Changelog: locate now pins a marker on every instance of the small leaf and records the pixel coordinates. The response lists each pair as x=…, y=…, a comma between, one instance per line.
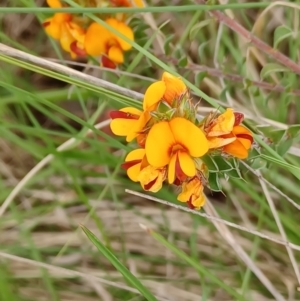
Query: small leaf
x=199, y=77
x=167, y=47
x=294, y=130
x=201, y=49
x=223, y=164
x=183, y=62
x=197, y=27
x=270, y=68
x=234, y=173
x=210, y=163
x=284, y=146
x=213, y=181
x=258, y=163
x=281, y=32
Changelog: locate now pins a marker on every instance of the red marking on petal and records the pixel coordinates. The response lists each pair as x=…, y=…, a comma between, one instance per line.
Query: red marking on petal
x=45, y=24
x=177, y=182
x=150, y=184
x=190, y=205
x=178, y=171
x=122, y=115
x=239, y=117
x=106, y=62
x=245, y=136
x=77, y=50
x=128, y=164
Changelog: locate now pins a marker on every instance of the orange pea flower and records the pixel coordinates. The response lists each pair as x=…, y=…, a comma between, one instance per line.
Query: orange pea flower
x=168, y=89
x=139, y=170
x=175, y=143
x=152, y=178
x=240, y=146
x=101, y=41
x=129, y=122
x=60, y=27
x=192, y=193
x=226, y=133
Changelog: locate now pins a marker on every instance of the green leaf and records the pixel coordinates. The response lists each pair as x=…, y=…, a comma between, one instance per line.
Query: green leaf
x=118, y=265
x=199, y=77
x=284, y=146
x=270, y=68
x=210, y=163
x=286, y=165
x=167, y=46
x=197, y=27
x=183, y=62
x=281, y=32
x=258, y=163
x=214, y=183
x=234, y=173
x=223, y=164
x=294, y=130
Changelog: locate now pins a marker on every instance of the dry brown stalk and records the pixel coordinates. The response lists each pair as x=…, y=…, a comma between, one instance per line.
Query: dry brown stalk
x=261, y=45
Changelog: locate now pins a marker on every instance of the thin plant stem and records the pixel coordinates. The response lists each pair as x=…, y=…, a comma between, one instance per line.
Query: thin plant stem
x=261, y=45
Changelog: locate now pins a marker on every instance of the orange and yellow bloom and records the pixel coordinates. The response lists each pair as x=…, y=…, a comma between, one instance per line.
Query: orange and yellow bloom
x=174, y=142
x=168, y=144
x=101, y=41
x=192, y=193
x=225, y=133
x=169, y=89
x=80, y=36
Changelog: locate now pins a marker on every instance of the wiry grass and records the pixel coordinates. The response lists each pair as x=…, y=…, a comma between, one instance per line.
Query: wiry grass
x=54, y=136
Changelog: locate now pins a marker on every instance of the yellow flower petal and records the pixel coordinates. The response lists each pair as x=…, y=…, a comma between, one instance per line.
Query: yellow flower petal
x=96, y=39
x=223, y=124
x=133, y=172
x=131, y=110
x=174, y=87
x=121, y=127
x=236, y=149
x=116, y=54
x=77, y=32
x=139, y=126
x=158, y=144
x=151, y=178
x=53, y=29
x=135, y=155
x=62, y=17
x=153, y=95
x=123, y=29
x=217, y=142
x=189, y=136
x=192, y=191
x=138, y=3
x=199, y=201
x=187, y=164
x=54, y=3
x=172, y=169
x=66, y=38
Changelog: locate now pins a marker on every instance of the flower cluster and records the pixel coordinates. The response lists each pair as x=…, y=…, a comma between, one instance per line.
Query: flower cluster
x=173, y=142
x=81, y=36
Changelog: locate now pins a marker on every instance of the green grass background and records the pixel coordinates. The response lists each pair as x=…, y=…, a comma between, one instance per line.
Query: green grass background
x=139, y=249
